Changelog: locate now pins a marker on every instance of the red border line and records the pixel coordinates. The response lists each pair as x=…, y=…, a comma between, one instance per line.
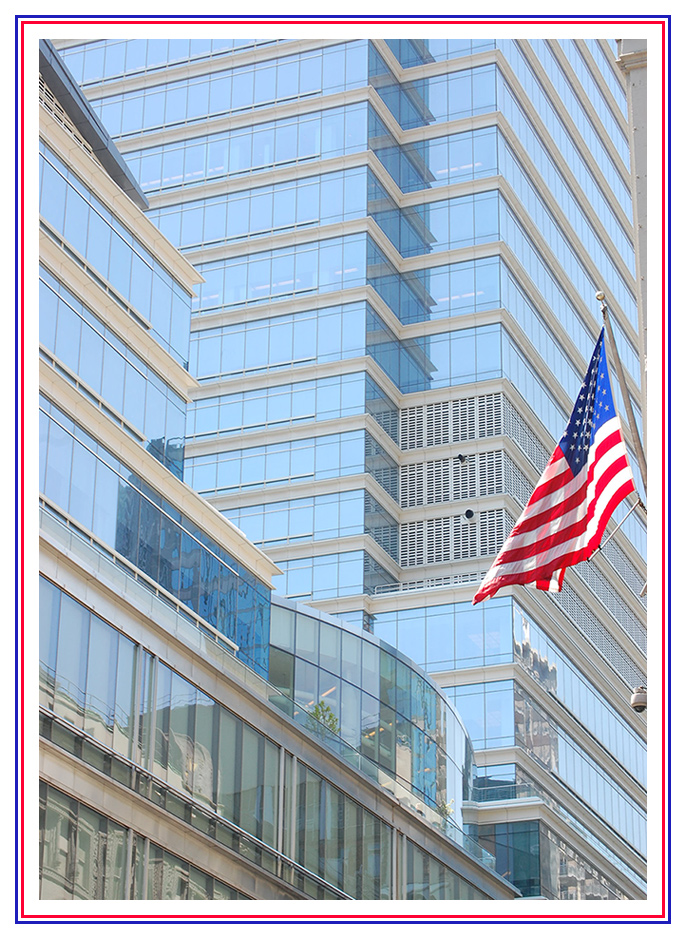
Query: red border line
x=343, y=22
x=21, y=468
x=664, y=471
x=26, y=917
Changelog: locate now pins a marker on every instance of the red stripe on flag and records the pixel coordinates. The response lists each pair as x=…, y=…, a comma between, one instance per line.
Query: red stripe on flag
x=564, y=520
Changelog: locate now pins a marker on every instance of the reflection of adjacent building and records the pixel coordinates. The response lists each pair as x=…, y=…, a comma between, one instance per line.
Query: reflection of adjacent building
x=170, y=767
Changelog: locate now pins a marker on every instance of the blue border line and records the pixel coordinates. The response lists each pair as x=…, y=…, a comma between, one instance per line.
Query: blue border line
x=16, y=473
x=668, y=657
x=545, y=17
x=335, y=920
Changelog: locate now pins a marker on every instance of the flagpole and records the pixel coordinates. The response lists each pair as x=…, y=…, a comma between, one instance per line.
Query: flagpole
x=617, y=527
x=638, y=447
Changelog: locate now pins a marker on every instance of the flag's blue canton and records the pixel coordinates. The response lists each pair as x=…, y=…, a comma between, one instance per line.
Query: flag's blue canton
x=593, y=407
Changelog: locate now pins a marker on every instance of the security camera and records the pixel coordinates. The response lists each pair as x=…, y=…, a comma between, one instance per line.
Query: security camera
x=639, y=699
x=469, y=513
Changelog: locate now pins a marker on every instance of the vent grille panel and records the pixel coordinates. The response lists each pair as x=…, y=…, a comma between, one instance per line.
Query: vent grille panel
x=453, y=538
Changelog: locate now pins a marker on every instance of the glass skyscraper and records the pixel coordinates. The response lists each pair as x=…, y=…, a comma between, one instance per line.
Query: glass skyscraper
x=200, y=739
x=400, y=243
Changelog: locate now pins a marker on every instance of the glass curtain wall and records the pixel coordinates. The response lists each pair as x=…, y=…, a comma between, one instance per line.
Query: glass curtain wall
x=86, y=856
x=94, y=678
x=81, y=477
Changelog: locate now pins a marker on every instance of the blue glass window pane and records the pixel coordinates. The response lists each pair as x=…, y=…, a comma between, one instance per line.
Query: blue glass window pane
x=356, y=64
x=483, y=90
x=333, y=69
x=58, y=468
x=76, y=221
x=141, y=285
x=68, y=336
x=333, y=135
x=309, y=138
x=488, y=352
x=105, y=504
x=284, y=207
x=220, y=95
x=113, y=378
x=265, y=84
x=192, y=226
x=82, y=490
x=53, y=196
x=306, y=269
x=43, y=431
x=351, y=704
x=194, y=164
x=47, y=305
x=100, y=681
x=305, y=340
x=263, y=147
x=132, y=115
x=469, y=640
x=198, y=100
x=214, y=222
x=237, y=218
x=70, y=669
x=469, y=703
x=170, y=173
x=330, y=263
x=93, y=62
x=303, y=459
x=440, y=636
x=256, y=344
x=241, y=89
x=99, y=235
x=310, y=74
x=90, y=368
x=499, y=631
x=487, y=284
x=500, y=714
x=282, y=280
x=120, y=265
x=241, y=153
x=438, y=99
x=110, y=113
x=412, y=635
x=153, y=108
x=308, y=203
x=287, y=79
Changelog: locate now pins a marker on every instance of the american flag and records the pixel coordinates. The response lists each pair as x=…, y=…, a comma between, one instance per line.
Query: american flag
x=586, y=478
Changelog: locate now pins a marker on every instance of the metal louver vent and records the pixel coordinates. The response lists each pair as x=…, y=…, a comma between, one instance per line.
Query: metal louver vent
x=464, y=419
x=412, y=544
x=412, y=428
x=491, y=415
x=452, y=479
x=438, y=422
x=453, y=538
x=438, y=488
x=412, y=485
x=430, y=425
x=572, y=604
x=490, y=472
x=614, y=603
x=518, y=430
